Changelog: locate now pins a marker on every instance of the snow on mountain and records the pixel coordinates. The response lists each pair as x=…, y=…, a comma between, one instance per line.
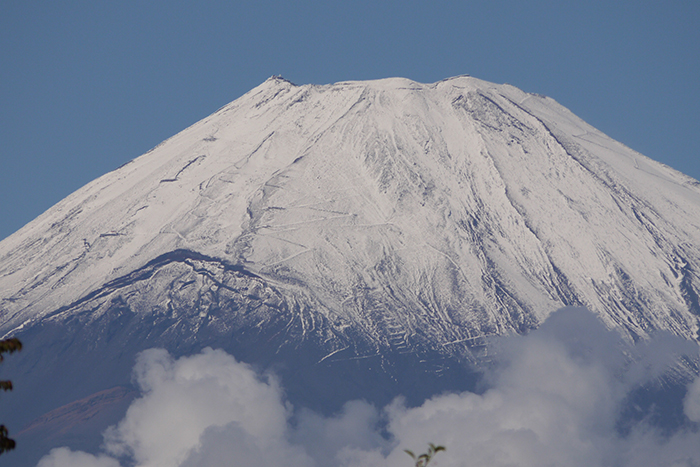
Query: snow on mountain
x=478, y=207
x=361, y=238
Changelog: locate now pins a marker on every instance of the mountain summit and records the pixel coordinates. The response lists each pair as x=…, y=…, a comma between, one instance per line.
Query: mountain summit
x=330, y=232
x=462, y=208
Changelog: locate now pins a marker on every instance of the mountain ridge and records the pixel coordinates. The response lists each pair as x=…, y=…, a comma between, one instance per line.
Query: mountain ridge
x=387, y=169
x=366, y=237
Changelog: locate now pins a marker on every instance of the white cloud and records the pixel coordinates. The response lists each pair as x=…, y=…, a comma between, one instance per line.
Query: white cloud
x=62, y=457
x=190, y=401
x=691, y=404
x=356, y=427
x=554, y=399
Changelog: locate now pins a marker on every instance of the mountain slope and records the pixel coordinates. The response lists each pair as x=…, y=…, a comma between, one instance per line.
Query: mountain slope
x=362, y=238
x=465, y=197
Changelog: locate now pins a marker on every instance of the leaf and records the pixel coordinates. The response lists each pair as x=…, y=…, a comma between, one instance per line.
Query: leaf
x=424, y=459
x=9, y=346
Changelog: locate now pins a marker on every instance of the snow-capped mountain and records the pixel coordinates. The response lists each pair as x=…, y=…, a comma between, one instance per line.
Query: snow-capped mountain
x=331, y=232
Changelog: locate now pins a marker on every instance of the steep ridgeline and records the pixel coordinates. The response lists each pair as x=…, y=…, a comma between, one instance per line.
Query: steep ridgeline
x=330, y=231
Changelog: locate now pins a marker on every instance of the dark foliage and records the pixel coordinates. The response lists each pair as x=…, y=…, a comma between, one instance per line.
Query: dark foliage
x=424, y=459
x=7, y=346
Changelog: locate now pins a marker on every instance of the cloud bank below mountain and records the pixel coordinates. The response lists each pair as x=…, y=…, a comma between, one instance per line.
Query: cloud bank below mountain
x=554, y=397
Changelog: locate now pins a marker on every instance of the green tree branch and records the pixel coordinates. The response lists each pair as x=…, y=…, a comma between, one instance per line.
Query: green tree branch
x=424, y=459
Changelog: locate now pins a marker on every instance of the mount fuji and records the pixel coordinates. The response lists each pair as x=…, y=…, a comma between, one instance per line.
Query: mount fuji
x=359, y=239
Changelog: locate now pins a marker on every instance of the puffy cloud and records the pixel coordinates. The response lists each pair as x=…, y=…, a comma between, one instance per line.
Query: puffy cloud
x=356, y=427
x=199, y=410
x=61, y=457
x=691, y=404
x=184, y=398
x=554, y=398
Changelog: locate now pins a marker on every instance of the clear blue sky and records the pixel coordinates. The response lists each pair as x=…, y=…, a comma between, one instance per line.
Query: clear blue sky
x=88, y=85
